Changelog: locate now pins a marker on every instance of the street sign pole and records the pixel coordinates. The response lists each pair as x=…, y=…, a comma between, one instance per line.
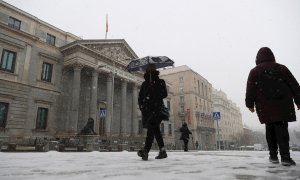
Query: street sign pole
x=218, y=140
x=217, y=117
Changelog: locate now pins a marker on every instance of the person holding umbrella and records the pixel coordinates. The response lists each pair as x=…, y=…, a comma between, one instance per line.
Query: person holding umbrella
x=185, y=135
x=150, y=100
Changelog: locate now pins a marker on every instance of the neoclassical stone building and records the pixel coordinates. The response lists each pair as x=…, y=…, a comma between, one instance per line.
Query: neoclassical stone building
x=95, y=83
x=52, y=81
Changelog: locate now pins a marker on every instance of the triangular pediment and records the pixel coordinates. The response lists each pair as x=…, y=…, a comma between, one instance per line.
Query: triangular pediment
x=94, y=53
x=116, y=52
x=114, y=49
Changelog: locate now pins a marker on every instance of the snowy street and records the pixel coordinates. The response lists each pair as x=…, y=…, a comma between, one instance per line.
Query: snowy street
x=127, y=165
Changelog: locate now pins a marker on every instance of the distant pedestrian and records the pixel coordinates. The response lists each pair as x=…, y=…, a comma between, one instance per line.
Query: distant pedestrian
x=197, y=145
x=272, y=91
x=185, y=135
x=151, y=95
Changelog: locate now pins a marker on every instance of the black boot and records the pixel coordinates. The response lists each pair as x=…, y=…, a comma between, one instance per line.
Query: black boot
x=274, y=160
x=186, y=149
x=288, y=162
x=143, y=153
x=162, y=154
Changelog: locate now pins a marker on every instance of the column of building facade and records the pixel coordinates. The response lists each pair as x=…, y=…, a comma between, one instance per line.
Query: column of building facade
x=109, y=91
x=135, y=123
x=94, y=97
x=123, y=107
x=75, y=98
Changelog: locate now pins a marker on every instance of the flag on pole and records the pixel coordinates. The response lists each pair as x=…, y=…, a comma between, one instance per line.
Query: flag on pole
x=106, y=22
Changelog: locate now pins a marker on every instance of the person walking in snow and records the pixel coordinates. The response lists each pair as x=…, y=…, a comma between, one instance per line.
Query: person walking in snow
x=150, y=99
x=185, y=135
x=271, y=91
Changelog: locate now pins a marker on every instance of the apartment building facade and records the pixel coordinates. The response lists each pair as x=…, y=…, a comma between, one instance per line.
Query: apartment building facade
x=192, y=103
x=230, y=123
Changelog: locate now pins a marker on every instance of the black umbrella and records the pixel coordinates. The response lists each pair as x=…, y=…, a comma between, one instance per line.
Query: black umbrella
x=140, y=64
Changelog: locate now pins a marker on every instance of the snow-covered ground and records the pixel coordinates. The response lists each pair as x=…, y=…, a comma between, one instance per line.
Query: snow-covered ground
x=128, y=166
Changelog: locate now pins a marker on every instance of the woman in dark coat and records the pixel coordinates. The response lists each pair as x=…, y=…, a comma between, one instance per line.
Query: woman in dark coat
x=274, y=110
x=151, y=95
x=185, y=135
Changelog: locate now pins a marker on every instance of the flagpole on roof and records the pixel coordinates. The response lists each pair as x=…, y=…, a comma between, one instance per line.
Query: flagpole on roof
x=106, y=31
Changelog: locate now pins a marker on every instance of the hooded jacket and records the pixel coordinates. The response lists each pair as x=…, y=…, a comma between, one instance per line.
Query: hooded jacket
x=276, y=109
x=151, y=95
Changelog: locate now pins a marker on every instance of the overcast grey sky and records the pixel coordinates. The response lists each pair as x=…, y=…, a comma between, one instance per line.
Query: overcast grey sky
x=218, y=39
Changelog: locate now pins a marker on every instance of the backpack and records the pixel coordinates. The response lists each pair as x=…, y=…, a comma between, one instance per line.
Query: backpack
x=272, y=84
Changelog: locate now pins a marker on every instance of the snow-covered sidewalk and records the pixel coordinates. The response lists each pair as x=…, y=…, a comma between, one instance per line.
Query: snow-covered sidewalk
x=127, y=165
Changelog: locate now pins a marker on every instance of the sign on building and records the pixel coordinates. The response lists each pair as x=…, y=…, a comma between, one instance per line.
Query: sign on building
x=216, y=115
x=102, y=112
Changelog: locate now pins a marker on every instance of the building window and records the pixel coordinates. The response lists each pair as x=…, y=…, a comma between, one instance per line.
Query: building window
x=51, y=39
x=47, y=72
x=181, y=79
x=198, y=87
x=168, y=105
x=8, y=61
x=41, y=120
x=170, y=129
x=202, y=89
x=181, y=90
x=162, y=128
x=14, y=23
x=3, y=114
x=181, y=108
x=181, y=99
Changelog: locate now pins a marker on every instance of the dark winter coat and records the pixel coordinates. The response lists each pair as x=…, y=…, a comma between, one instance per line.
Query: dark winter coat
x=274, y=110
x=151, y=95
x=185, y=133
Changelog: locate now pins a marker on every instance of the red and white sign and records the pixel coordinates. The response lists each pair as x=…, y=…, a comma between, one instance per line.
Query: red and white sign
x=188, y=116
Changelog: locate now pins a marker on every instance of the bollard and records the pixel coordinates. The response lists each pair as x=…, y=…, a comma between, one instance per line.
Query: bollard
x=12, y=147
x=90, y=147
x=80, y=148
x=120, y=147
x=61, y=147
x=39, y=147
x=109, y=148
x=53, y=145
x=131, y=148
